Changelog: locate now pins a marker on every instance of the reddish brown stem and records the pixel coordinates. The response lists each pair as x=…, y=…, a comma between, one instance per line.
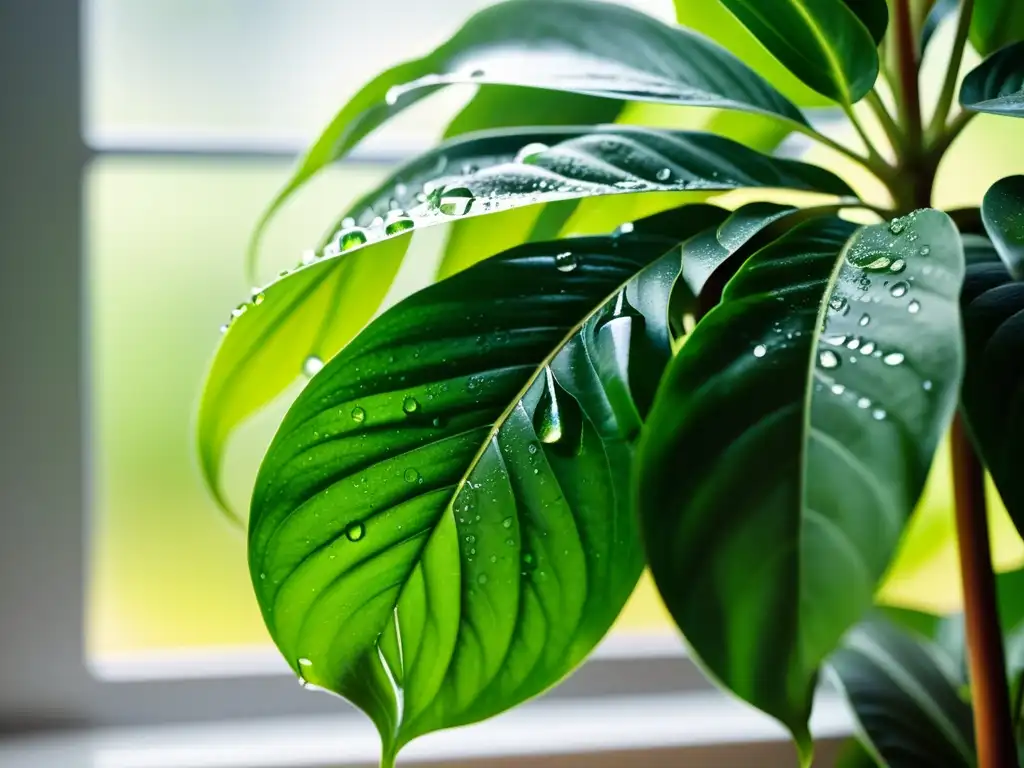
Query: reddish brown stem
x=910, y=97
x=993, y=728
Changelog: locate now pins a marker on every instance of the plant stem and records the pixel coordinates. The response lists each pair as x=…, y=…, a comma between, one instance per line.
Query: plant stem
x=892, y=130
x=993, y=726
x=909, y=97
x=938, y=122
x=876, y=165
x=873, y=154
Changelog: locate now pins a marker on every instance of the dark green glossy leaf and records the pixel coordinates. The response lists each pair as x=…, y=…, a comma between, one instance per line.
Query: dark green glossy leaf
x=997, y=84
x=442, y=527
x=1002, y=212
x=476, y=175
x=996, y=23
x=579, y=46
x=992, y=304
x=907, y=707
x=788, y=444
x=822, y=42
x=873, y=14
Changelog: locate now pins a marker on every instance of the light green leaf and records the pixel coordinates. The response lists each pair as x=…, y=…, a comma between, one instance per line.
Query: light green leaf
x=907, y=707
x=822, y=42
x=1002, y=212
x=789, y=442
x=992, y=304
x=580, y=46
x=996, y=23
x=442, y=527
x=997, y=84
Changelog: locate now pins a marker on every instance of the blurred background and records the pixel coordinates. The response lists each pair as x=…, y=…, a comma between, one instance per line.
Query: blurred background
x=141, y=139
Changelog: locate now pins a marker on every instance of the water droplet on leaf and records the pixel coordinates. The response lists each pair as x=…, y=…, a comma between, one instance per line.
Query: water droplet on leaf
x=900, y=289
x=312, y=366
x=566, y=261
x=354, y=531
x=410, y=405
x=528, y=153
x=828, y=359
x=760, y=350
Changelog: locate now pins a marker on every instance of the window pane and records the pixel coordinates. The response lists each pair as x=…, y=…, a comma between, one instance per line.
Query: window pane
x=256, y=73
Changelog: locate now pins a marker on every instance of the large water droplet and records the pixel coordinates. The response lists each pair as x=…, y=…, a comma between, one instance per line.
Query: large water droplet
x=455, y=201
x=760, y=350
x=864, y=319
x=410, y=405
x=529, y=153
x=899, y=289
x=258, y=297
x=355, y=531
x=914, y=307
x=863, y=403
x=411, y=475
x=507, y=522
x=566, y=261
x=397, y=221
x=664, y=174
x=867, y=348
x=351, y=238
x=828, y=359
x=312, y=366
x=358, y=414
x=878, y=414
x=871, y=261
x=898, y=266
x=836, y=341
x=894, y=358
x=896, y=226
x=839, y=304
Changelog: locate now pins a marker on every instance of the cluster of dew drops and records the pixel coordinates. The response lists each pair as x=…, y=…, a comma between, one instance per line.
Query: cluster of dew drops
x=830, y=357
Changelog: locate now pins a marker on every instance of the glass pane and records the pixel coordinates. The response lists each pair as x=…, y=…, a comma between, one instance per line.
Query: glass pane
x=165, y=237
x=259, y=74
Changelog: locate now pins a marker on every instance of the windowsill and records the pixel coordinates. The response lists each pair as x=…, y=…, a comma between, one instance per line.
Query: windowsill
x=543, y=733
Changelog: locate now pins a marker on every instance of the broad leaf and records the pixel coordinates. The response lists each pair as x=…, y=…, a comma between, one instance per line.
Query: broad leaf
x=788, y=444
x=442, y=527
x=579, y=46
x=907, y=707
x=317, y=309
x=1003, y=214
x=822, y=42
x=993, y=389
x=996, y=23
x=997, y=84
x=873, y=14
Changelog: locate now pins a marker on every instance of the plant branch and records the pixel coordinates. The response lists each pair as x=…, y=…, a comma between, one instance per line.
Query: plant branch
x=873, y=153
x=941, y=142
x=909, y=97
x=891, y=128
x=938, y=122
x=993, y=725
x=875, y=164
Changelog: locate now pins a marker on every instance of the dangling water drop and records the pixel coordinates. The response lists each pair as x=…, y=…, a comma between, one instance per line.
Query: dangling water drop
x=258, y=297
x=312, y=366
x=566, y=261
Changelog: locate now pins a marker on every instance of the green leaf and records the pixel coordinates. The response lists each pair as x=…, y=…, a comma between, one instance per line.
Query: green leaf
x=906, y=706
x=789, y=442
x=1002, y=212
x=467, y=177
x=873, y=14
x=442, y=527
x=997, y=84
x=996, y=23
x=822, y=42
x=299, y=322
x=992, y=304
x=580, y=46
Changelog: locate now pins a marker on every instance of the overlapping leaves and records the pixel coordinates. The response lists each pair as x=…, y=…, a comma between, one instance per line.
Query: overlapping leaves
x=997, y=84
x=313, y=312
x=788, y=444
x=442, y=527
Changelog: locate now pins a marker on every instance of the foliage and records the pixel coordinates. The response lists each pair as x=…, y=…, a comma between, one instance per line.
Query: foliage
x=462, y=497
